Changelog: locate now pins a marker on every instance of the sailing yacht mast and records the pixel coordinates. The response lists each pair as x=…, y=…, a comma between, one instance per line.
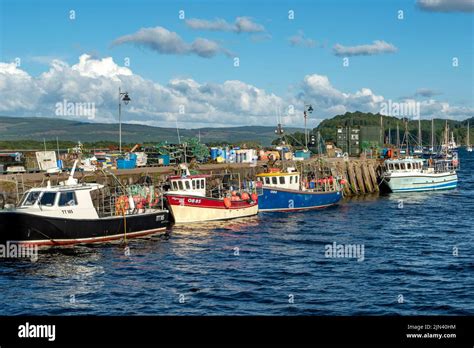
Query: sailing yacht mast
x=406, y=137
x=432, y=135
x=468, y=142
x=468, y=145
x=419, y=133
x=398, y=136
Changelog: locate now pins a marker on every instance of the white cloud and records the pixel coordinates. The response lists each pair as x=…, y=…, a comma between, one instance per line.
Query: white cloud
x=240, y=25
x=328, y=101
x=230, y=103
x=164, y=41
x=446, y=5
x=301, y=40
x=377, y=47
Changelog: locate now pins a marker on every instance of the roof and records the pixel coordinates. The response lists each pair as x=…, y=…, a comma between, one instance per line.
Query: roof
x=277, y=174
x=179, y=177
x=405, y=160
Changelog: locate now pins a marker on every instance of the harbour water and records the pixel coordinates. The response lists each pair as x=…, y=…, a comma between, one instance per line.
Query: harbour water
x=418, y=259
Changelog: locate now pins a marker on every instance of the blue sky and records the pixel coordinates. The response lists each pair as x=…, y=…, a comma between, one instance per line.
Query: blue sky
x=425, y=43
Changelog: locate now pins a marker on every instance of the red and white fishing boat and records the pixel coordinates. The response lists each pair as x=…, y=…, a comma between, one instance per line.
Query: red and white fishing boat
x=191, y=201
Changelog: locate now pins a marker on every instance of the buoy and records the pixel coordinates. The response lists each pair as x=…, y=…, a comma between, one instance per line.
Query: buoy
x=121, y=205
x=245, y=196
x=234, y=193
x=254, y=197
x=343, y=182
x=227, y=202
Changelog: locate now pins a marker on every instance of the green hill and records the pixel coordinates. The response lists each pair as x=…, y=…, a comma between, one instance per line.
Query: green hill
x=34, y=129
x=328, y=127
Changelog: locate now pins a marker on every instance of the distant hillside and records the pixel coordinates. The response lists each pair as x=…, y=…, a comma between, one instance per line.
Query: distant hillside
x=328, y=127
x=37, y=129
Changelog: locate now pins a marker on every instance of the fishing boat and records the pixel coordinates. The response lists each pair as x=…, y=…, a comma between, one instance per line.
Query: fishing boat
x=468, y=143
x=73, y=213
x=290, y=191
x=413, y=174
x=191, y=199
x=409, y=174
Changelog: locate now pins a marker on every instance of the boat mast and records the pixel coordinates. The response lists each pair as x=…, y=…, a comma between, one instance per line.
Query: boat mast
x=468, y=142
x=432, y=134
x=446, y=137
x=398, y=136
x=406, y=137
x=381, y=131
x=419, y=133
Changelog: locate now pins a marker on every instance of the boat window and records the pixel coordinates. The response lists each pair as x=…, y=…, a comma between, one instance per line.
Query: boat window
x=203, y=183
x=274, y=180
x=48, y=198
x=180, y=185
x=267, y=181
x=296, y=179
x=188, y=186
x=291, y=179
x=282, y=180
x=175, y=185
x=67, y=199
x=194, y=184
x=31, y=198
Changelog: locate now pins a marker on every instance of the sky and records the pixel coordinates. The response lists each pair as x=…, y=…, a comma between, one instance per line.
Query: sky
x=232, y=63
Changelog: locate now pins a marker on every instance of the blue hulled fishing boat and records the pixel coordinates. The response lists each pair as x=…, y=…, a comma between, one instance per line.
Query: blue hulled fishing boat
x=290, y=191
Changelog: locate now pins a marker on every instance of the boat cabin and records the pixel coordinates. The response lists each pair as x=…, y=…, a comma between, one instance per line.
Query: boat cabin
x=404, y=165
x=189, y=185
x=73, y=202
x=287, y=180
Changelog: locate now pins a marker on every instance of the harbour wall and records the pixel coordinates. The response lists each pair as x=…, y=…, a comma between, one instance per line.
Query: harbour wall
x=361, y=175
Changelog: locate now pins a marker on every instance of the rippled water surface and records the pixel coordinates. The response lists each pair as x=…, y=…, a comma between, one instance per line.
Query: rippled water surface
x=260, y=265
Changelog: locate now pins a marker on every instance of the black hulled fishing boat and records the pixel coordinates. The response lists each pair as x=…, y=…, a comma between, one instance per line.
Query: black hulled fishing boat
x=73, y=213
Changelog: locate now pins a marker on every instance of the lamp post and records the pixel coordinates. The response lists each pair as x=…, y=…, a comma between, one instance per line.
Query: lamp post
x=308, y=108
x=123, y=96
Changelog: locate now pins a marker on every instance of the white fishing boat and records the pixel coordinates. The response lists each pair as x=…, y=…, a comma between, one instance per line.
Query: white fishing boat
x=410, y=174
x=413, y=174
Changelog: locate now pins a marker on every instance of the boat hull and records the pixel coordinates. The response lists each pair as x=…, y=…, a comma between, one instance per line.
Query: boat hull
x=277, y=199
x=33, y=229
x=421, y=182
x=187, y=208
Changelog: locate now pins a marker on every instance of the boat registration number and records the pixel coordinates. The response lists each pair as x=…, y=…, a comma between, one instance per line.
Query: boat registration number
x=194, y=200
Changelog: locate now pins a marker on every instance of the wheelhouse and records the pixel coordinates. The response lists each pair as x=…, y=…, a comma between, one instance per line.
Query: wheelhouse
x=190, y=185
x=406, y=165
x=280, y=180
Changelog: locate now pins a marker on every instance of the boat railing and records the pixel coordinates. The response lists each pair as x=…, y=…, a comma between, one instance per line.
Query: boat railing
x=115, y=201
x=328, y=184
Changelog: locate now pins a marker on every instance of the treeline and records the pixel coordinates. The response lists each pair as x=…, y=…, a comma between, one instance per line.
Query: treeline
x=328, y=127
